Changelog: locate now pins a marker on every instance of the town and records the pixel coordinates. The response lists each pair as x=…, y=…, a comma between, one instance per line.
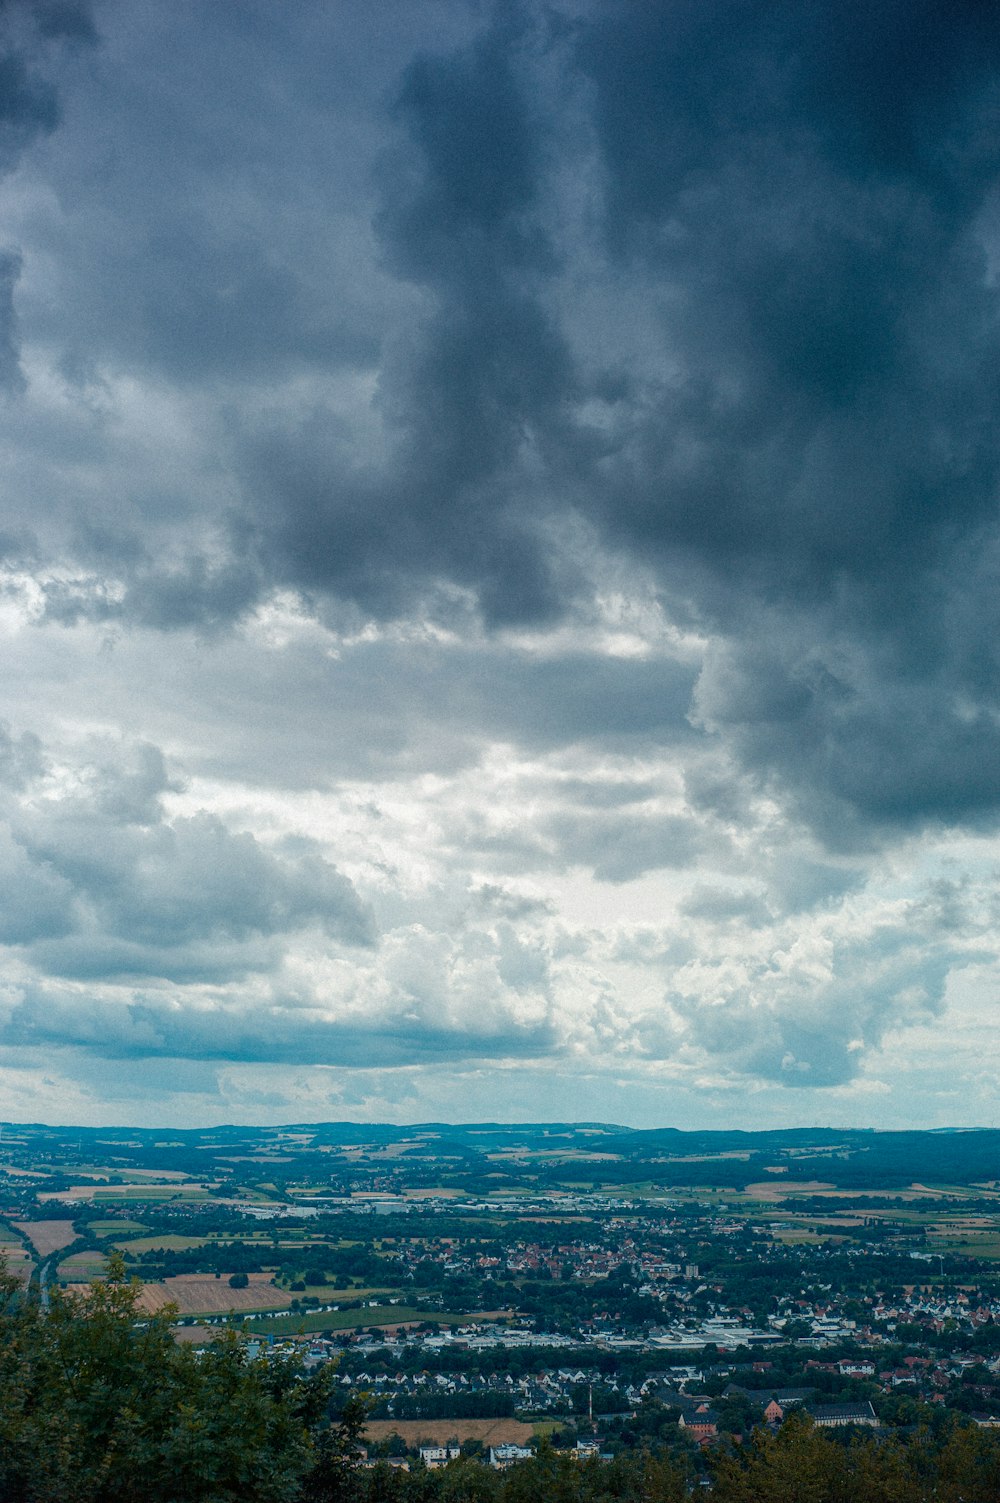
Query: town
x=482, y=1291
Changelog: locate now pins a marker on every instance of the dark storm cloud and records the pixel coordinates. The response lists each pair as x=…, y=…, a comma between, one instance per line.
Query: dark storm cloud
x=706, y=286
x=805, y=187
x=804, y=440
x=11, y=378
x=28, y=103
x=858, y=743
x=29, y=108
x=473, y=394
x=803, y=192
x=206, y=196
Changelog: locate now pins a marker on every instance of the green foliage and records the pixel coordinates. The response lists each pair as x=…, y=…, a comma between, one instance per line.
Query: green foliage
x=801, y=1464
x=98, y=1406
x=484, y=1404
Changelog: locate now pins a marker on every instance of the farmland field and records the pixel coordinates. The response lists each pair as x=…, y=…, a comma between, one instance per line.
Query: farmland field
x=329, y=1295
x=492, y=1432
x=966, y=1241
x=47, y=1236
x=151, y=1192
x=778, y=1190
x=793, y=1236
x=166, y=1242
x=83, y=1267
x=380, y=1317
x=202, y=1294
x=110, y=1172
x=180, y=1241
x=12, y=1249
x=126, y=1192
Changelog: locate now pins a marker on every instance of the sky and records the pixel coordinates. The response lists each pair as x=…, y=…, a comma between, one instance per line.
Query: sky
x=499, y=562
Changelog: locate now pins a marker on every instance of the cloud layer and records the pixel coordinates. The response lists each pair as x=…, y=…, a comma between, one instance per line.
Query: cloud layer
x=499, y=552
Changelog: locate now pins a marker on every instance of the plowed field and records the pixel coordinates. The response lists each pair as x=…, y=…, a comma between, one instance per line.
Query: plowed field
x=47, y=1236
x=202, y=1294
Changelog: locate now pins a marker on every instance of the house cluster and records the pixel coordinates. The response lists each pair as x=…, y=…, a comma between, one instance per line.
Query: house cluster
x=880, y=1316
x=499, y=1457
x=702, y=1422
x=547, y=1391
x=648, y=1253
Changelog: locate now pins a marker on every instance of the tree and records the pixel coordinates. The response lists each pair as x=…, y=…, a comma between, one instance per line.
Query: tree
x=333, y=1476
x=99, y=1404
x=969, y=1468
x=798, y=1465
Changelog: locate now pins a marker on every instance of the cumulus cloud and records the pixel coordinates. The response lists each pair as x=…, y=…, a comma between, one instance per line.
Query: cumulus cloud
x=101, y=881
x=805, y=1014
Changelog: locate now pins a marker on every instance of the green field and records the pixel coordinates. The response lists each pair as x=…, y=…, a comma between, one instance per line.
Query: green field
x=179, y=1241
x=966, y=1244
x=167, y=1242
x=82, y=1267
x=119, y=1227
x=797, y=1237
x=152, y=1192
x=327, y=1293
x=347, y=1320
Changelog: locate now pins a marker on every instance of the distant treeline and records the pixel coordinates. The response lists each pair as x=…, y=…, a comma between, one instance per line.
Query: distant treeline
x=459, y=1156
x=318, y=1263
x=432, y=1406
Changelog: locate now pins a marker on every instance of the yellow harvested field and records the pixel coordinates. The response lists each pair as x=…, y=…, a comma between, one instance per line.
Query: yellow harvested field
x=193, y=1335
x=492, y=1432
x=790, y=1190
x=787, y=1189
x=47, y=1236
x=203, y=1294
